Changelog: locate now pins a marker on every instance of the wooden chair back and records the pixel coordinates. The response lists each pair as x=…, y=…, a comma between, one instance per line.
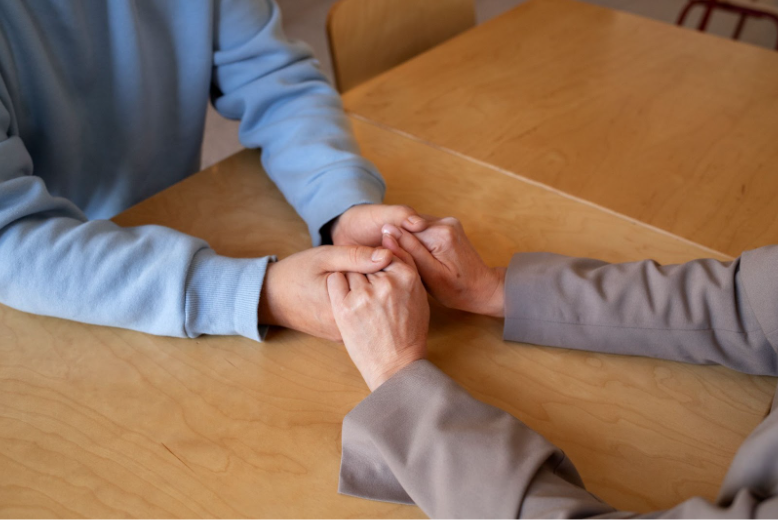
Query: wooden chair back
x=368, y=37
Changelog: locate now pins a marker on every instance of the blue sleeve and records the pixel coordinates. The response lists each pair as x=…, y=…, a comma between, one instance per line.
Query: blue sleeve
x=288, y=109
x=53, y=261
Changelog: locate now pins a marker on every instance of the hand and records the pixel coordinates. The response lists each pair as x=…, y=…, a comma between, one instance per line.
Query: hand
x=361, y=224
x=450, y=267
x=383, y=317
x=294, y=294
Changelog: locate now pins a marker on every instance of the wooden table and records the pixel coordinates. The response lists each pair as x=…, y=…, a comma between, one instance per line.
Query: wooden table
x=103, y=422
x=670, y=126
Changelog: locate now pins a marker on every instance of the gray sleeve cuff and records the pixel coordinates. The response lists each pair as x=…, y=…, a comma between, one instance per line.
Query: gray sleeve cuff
x=760, y=280
x=364, y=471
x=222, y=295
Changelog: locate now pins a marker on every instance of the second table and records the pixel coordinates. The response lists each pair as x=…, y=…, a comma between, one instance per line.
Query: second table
x=671, y=127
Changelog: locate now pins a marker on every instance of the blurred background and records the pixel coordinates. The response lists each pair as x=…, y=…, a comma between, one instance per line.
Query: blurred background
x=305, y=20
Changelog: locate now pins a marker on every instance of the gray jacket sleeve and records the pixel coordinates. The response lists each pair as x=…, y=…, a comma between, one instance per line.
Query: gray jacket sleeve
x=420, y=438
x=702, y=312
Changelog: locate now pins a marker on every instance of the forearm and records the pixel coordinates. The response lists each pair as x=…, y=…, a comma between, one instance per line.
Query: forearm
x=288, y=109
x=149, y=279
x=704, y=311
x=420, y=438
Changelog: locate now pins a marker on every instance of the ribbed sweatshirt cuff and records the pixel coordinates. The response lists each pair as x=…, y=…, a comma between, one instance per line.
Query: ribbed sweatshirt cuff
x=222, y=295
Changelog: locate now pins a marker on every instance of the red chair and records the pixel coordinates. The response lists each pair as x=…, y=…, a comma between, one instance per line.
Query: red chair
x=745, y=8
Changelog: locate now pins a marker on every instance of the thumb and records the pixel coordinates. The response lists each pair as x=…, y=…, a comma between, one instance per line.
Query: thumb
x=337, y=287
x=425, y=262
x=415, y=223
x=358, y=259
x=391, y=244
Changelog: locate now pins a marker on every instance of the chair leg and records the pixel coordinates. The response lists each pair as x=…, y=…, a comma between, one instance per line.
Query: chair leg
x=775, y=19
x=706, y=17
x=686, y=9
x=739, y=28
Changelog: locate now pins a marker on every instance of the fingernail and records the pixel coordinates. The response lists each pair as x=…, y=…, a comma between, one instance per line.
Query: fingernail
x=380, y=255
x=413, y=219
x=390, y=229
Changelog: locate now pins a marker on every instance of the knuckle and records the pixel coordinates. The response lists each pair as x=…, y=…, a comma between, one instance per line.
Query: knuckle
x=359, y=300
x=405, y=271
x=357, y=254
x=436, y=232
x=406, y=274
x=322, y=251
x=323, y=255
x=385, y=290
x=347, y=309
x=404, y=209
x=447, y=233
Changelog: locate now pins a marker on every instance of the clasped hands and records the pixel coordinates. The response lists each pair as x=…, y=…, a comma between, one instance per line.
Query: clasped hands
x=369, y=288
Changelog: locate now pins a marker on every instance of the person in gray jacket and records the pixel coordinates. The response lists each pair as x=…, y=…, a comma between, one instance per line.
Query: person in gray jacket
x=420, y=438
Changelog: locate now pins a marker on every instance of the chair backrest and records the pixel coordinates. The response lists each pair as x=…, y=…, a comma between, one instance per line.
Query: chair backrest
x=367, y=37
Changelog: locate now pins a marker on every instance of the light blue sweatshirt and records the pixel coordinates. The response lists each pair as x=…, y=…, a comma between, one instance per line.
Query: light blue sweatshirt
x=102, y=104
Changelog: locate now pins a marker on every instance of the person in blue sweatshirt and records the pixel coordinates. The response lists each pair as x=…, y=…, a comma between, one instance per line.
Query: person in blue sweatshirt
x=102, y=104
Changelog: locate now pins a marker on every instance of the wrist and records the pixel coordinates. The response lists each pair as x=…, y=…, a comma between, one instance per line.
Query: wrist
x=336, y=230
x=327, y=231
x=267, y=314
x=385, y=372
x=493, y=302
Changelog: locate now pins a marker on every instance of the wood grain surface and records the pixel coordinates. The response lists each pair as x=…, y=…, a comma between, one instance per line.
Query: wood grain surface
x=102, y=422
x=667, y=125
